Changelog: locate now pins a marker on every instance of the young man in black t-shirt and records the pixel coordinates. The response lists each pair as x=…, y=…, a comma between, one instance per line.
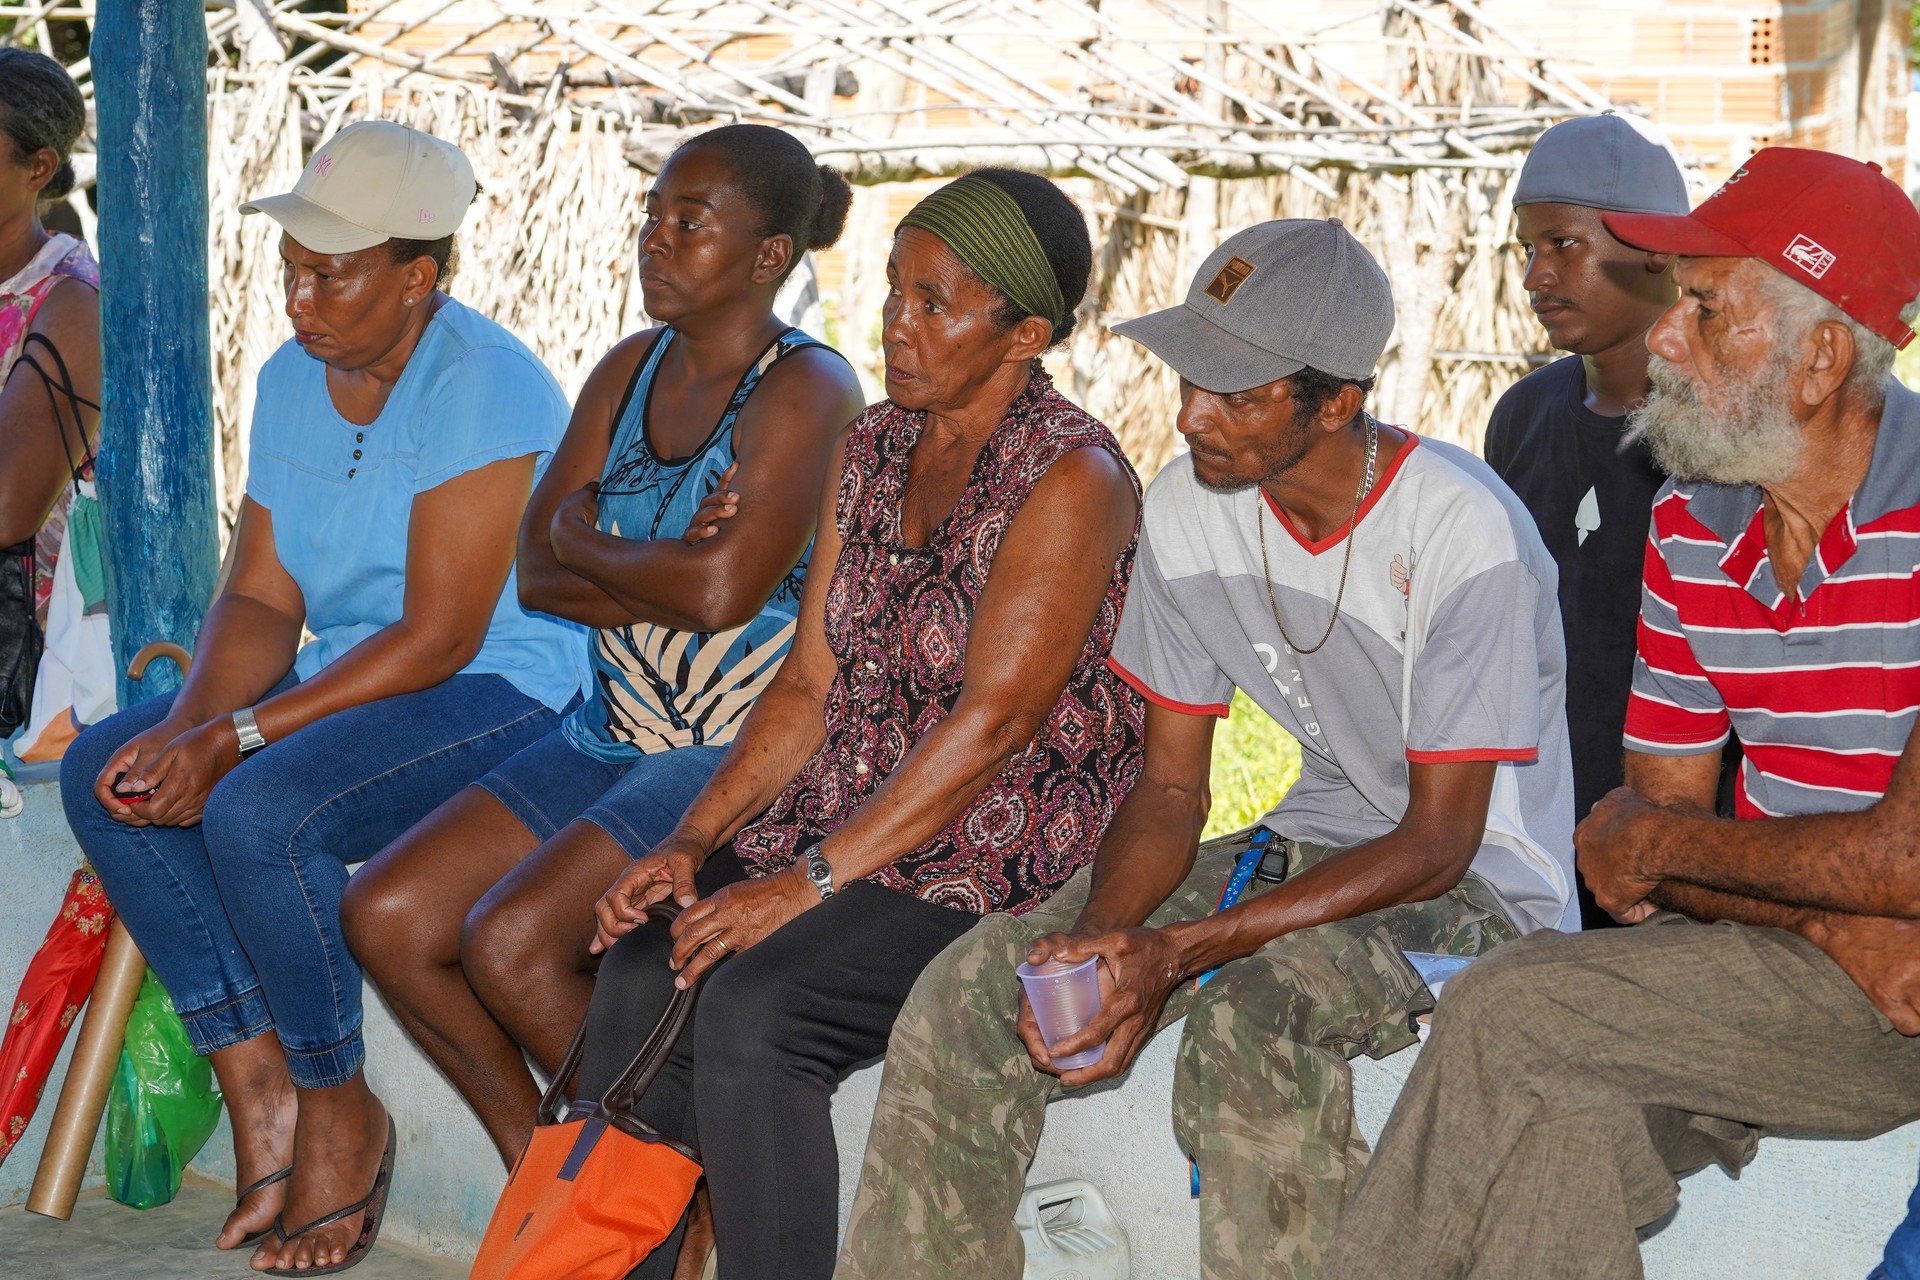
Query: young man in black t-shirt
x=1558, y=437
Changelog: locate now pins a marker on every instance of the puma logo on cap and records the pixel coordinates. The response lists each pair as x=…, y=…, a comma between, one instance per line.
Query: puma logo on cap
x=1228, y=281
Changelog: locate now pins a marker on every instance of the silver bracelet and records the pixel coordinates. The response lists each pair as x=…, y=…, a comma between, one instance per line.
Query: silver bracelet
x=249, y=730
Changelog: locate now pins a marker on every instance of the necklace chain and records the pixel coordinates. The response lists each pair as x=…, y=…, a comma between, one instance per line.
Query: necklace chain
x=1346, y=563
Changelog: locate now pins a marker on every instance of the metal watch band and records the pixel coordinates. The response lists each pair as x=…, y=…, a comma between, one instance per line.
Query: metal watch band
x=249, y=731
x=819, y=870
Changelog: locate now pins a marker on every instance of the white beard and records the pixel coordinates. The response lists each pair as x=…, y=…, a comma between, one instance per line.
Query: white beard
x=1745, y=433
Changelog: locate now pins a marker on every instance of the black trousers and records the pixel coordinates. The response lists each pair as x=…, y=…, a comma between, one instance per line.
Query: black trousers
x=776, y=1028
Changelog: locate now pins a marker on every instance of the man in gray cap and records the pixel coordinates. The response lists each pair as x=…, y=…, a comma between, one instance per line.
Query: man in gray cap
x=1390, y=603
x=1558, y=437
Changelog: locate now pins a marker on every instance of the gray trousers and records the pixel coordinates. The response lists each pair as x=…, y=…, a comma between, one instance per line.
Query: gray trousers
x=1569, y=1078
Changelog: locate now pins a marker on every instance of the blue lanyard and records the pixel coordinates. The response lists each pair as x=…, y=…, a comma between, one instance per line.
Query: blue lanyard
x=1236, y=885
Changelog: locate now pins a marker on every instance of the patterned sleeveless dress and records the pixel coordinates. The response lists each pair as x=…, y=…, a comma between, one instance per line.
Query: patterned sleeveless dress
x=897, y=619
x=655, y=688
x=60, y=258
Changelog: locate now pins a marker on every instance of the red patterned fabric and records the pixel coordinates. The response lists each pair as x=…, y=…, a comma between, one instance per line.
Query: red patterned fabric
x=57, y=983
x=897, y=619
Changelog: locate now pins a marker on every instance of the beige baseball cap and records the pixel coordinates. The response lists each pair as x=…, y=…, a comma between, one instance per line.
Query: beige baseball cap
x=372, y=182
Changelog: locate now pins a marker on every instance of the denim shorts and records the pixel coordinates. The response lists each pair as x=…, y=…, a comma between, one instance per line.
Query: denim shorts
x=638, y=802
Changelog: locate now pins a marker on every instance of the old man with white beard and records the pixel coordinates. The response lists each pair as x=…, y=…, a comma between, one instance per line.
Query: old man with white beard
x=1774, y=978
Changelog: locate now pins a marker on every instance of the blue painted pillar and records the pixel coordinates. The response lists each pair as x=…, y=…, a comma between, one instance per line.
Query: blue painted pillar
x=156, y=451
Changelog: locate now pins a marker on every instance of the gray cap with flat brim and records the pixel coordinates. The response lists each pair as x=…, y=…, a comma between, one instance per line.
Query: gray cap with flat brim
x=1274, y=299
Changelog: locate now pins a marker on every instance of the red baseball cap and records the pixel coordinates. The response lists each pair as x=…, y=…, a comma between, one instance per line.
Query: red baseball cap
x=1839, y=227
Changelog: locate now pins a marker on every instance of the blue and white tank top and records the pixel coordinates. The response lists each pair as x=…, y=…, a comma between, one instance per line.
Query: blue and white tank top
x=655, y=688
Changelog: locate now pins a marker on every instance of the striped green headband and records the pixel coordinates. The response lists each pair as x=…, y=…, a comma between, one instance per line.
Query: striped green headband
x=984, y=226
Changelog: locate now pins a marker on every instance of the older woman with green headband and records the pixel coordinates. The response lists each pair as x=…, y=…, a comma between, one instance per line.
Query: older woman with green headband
x=944, y=740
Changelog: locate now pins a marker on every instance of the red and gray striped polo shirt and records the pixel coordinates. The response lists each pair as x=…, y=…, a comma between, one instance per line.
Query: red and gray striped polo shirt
x=1821, y=684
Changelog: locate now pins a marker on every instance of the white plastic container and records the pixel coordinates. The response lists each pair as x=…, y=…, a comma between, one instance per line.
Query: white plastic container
x=1071, y=1234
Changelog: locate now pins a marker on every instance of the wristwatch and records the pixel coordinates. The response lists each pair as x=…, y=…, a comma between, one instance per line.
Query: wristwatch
x=819, y=870
x=249, y=731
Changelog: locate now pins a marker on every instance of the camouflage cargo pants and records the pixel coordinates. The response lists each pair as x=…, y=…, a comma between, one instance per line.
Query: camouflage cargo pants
x=1262, y=1094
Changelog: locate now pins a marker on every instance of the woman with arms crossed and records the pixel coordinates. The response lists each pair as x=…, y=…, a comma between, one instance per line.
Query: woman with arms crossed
x=475, y=924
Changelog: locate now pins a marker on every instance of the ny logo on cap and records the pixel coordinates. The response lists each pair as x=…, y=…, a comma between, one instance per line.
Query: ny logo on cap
x=1809, y=255
x=1231, y=277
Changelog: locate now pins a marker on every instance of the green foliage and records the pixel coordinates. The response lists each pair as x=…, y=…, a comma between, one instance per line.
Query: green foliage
x=1254, y=762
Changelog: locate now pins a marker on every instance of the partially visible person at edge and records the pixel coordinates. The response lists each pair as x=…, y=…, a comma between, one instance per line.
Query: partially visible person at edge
x=1388, y=601
x=1775, y=981
x=464, y=922
x=395, y=441
x=1902, y=1258
x=49, y=318
x=945, y=739
x=1558, y=437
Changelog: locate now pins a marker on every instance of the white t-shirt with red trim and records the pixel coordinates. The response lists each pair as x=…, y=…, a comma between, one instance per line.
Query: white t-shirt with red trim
x=1448, y=647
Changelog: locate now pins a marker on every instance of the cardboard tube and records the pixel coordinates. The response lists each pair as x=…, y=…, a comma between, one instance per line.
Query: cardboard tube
x=83, y=1097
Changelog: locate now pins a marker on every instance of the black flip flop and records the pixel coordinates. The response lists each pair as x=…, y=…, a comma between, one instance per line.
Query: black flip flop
x=375, y=1204
x=240, y=1198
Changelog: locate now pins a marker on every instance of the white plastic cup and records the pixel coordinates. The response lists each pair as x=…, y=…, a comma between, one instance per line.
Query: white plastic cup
x=1065, y=998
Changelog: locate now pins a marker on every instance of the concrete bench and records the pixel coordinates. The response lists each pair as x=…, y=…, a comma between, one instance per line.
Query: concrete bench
x=1805, y=1208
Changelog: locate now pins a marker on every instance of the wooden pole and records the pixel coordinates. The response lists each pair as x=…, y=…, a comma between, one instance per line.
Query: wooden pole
x=156, y=452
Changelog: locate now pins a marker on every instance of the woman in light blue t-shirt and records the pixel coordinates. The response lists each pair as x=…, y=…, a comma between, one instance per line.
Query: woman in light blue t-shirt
x=476, y=925
x=395, y=443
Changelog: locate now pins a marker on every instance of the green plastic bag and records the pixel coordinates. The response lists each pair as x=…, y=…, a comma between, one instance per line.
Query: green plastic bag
x=162, y=1107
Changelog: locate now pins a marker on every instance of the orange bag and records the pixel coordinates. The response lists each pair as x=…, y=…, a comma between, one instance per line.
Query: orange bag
x=597, y=1189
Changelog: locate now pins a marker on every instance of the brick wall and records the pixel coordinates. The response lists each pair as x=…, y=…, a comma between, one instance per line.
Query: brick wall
x=1725, y=79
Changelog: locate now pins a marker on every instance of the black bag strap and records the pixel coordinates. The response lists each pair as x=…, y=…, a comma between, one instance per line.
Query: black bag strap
x=554, y=1102
x=55, y=391
x=626, y=1092
x=623, y=1094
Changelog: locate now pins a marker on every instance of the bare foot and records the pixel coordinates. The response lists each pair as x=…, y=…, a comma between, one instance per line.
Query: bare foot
x=262, y=1108
x=339, y=1140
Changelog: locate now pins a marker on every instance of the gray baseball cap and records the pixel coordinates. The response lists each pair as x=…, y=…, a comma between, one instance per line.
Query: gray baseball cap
x=1615, y=162
x=1273, y=300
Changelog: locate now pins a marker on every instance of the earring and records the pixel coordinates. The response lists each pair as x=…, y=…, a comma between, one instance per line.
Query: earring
x=411, y=301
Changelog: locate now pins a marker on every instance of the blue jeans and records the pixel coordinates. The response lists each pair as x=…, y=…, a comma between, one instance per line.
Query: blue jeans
x=240, y=916
x=1903, y=1250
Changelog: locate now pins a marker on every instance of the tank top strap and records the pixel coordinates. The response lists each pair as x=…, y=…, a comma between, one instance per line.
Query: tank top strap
x=789, y=341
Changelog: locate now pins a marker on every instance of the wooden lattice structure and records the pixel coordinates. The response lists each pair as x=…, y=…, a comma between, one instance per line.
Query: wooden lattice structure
x=1174, y=122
